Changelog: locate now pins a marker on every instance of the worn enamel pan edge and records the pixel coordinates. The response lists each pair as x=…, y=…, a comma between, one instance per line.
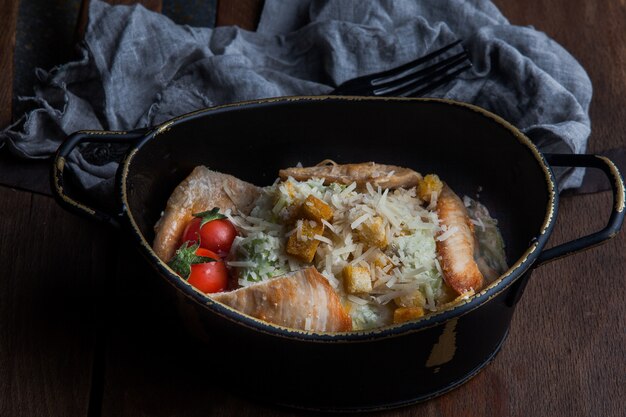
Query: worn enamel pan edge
x=502, y=283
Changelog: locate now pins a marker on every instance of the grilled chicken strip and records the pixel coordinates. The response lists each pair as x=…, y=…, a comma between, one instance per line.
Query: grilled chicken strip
x=301, y=300
x=202, y=190
x=385, y=176
x=460, y=270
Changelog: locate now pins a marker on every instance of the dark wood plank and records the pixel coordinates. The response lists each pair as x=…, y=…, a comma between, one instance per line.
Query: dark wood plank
x=242, y=13
x=52, y=265
x=81, y=24
x=8, y=17
x=30, y=175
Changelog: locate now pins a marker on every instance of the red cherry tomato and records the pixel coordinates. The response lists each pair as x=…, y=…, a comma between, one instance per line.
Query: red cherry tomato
x=216, y=235
x=209, y=277
x=192, y=231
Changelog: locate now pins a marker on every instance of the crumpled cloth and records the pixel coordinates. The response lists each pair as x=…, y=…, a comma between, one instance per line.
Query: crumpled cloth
x=138, y=68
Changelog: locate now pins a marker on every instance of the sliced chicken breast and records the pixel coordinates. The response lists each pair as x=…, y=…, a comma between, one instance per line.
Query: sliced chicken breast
x=202, y=190
x=460, y=270
x=385, y=176
x=301, y=300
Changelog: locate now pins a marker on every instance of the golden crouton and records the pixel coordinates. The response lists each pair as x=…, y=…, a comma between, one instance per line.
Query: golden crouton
x=303, y=245
x=379, y=259
x=402, y=314
x=413, y=299
x=427, y=186
x=372, y=233
x=315, y=209
x=289, y=207
x=356, y=279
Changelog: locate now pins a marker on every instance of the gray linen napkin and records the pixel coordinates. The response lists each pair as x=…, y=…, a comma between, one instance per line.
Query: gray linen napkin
x=138, y=68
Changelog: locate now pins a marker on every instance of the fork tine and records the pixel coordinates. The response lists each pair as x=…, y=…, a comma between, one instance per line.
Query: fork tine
x=396, y=83
x=437, y=83
x=363, y=85
x=427, y=79
x=408, y=79
x=410, y=65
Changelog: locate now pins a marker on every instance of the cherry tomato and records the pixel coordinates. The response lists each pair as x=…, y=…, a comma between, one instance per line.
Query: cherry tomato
x=209, y=277
x=216, y=235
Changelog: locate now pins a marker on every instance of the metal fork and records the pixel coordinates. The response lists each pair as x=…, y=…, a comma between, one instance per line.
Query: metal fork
x=411, y=79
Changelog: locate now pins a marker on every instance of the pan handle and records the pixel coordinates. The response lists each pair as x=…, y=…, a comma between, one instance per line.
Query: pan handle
x=58, y=170
x=617, y=213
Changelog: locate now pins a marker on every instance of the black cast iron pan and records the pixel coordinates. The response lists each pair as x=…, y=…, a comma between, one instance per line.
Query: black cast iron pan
x=470, y=148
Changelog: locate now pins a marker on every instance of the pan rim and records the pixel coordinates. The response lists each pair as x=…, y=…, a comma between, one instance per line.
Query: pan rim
x=515, y=271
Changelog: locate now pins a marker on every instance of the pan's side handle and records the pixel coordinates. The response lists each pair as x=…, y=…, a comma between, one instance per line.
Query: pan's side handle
x=59, y=164
x=617, y=213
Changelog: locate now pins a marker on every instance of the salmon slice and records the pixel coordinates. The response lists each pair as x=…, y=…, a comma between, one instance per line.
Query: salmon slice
x=385, y=176
x=301, y=300
x=202, y=190
x=460, y=270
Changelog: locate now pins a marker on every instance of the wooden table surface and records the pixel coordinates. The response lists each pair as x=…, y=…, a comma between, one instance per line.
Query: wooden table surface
x=84, y=329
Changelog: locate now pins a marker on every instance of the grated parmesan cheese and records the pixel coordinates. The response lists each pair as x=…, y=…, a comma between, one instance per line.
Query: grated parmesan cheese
x=323, y=239
x=412, y=230
x=360, y=220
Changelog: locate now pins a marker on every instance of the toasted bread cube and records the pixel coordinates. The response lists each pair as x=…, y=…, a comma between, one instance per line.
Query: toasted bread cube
x=402, y=314
x=379, y=259
x=413, y=299
x=356, y=279
x=302, y=244
x=286, y=207
x=372, y=232
x=427, y=186
x=315, y=209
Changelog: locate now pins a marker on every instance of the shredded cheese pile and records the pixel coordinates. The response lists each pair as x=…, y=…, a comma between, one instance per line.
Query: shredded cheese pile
x=388, y=235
